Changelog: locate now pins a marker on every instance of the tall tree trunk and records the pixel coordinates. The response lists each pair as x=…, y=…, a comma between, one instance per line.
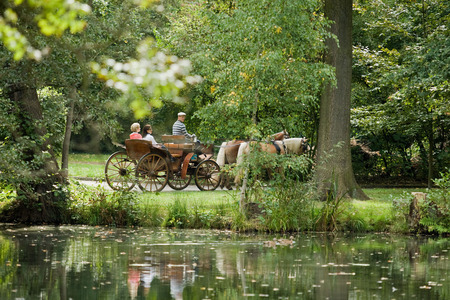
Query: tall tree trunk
x=39, y=198
x=68, y=134
x=430, y=155
x=333, y=153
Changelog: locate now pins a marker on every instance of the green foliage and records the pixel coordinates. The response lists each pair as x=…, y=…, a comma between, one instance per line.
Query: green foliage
x=100, y=207
x=332, y=208
x=289, y=206
x=147, y=78
x=400, y=211
x=7, y=196
x=182, y=215
x=435, y=214
x=273, y=168
x=53, y=17
x=400, y=72
x=178, y=215
x=260, y=61
x=278, y=185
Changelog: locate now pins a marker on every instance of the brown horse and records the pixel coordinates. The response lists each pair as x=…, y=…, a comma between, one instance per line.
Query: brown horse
x=288, y=146
x=229, y=151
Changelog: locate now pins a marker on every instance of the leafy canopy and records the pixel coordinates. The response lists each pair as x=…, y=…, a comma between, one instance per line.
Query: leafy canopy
x=260, y=61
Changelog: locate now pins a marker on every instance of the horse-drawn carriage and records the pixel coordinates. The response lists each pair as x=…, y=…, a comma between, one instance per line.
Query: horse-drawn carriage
x=152, y=168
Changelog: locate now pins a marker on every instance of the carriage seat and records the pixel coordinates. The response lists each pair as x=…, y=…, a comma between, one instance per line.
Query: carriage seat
x=137, y=148
x=175, y=139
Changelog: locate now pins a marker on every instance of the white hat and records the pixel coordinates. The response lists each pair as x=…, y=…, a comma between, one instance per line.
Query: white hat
x=181, y=114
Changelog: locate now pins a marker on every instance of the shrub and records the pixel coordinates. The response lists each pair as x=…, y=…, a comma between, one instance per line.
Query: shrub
x=178, y=216
x=400, y=212
x=435, y=210
x=96, y=206
x=288, y=206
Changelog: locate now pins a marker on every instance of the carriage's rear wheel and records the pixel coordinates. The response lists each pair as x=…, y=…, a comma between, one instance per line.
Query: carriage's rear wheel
x=119, y=171
x=152, y=172
x=178, y=183
x=207, y=175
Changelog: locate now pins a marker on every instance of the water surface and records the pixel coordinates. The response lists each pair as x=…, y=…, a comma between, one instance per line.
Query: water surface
x=77, y=262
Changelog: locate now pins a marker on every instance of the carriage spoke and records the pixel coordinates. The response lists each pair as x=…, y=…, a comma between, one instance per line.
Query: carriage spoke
x=207, y=175
x=152, y=173
x=119, y=171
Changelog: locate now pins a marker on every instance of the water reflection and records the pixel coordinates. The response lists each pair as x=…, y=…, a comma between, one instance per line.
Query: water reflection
x=71, y=262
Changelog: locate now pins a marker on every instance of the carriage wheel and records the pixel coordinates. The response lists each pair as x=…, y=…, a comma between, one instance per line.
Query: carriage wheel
x=119, y=171
x=178, y=183
x=152, y=173
x=207, y=175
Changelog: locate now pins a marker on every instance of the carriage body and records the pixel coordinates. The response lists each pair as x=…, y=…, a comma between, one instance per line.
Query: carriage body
x=152, y=168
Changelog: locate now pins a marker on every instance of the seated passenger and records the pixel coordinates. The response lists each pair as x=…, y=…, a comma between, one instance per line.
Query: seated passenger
x=135, y=128
x=147, y=135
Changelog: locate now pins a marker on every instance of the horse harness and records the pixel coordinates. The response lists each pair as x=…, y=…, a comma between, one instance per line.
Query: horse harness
x=277, y=147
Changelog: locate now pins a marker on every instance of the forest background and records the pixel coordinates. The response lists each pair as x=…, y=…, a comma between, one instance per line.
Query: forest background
x=258, y=67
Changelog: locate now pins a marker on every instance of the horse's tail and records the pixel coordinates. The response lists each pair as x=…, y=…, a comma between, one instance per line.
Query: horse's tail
x=221, y=155
x=239, y=159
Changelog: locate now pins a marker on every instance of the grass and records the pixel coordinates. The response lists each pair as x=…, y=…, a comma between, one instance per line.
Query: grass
x=205, y=199
x=383, y=194
x=87, y=165
x=219, y=209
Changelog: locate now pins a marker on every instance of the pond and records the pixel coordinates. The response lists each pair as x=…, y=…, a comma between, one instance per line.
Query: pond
x=78, y=262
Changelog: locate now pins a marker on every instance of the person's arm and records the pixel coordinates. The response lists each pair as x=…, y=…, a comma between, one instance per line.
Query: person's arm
x=152, y=139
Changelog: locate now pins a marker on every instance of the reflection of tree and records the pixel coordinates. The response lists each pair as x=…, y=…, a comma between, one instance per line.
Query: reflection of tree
x=92, y=263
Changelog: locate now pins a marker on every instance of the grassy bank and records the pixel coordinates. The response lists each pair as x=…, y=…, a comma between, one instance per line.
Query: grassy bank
x=220, y=210
x=87, y=165
x=290, y=208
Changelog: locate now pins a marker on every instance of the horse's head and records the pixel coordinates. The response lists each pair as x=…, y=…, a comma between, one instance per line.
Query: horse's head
x=305, y=145
x=297, y=145
x=279, y=136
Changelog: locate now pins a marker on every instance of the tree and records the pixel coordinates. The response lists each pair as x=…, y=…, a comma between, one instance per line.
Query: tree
x=402, y=67
x=39, y=53
x=334, y=163
x=260, y=64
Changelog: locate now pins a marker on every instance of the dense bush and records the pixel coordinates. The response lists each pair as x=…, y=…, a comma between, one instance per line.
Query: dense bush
x=180, y=215
x=279, y=193
x=96, y=206
x=435, y=215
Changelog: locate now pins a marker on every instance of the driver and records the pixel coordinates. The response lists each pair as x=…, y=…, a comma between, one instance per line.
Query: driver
x=179, y=128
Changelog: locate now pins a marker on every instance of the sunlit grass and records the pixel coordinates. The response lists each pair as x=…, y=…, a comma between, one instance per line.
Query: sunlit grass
x=191, y=198
x=87, y=165
x=89, y=158
x=388, y=194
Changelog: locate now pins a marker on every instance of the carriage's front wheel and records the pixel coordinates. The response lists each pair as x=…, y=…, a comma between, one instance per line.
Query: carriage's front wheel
x=119, y=171
x=178, y=183
x=207, y=175
x=152, y=172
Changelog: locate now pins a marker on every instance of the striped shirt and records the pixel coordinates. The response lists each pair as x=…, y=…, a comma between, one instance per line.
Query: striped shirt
x=180, y=129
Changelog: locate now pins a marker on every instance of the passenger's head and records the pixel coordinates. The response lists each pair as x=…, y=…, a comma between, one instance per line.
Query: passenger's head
x=135, y=127
x=181, y=116
x=147, y=130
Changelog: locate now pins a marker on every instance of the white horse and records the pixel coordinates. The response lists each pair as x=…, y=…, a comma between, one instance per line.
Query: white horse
x=229, y=151
x=295, y=146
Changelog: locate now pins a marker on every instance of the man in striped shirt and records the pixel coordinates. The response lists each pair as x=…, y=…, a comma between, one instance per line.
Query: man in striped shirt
x=179, y=128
